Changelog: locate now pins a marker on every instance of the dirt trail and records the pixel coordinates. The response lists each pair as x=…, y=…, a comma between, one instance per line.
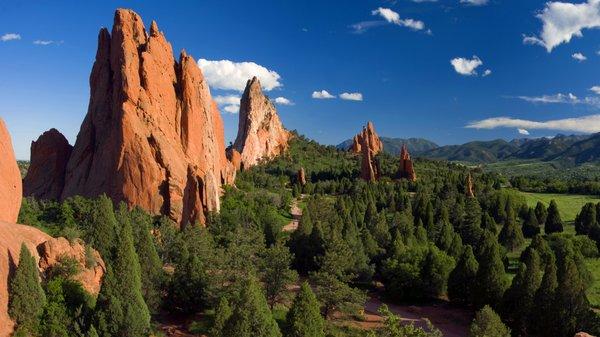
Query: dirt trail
x=296, y=213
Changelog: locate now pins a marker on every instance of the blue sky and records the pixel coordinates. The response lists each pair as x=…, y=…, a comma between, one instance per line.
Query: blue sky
x=396, y=54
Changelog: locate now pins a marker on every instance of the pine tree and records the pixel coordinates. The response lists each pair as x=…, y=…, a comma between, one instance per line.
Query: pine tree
x=491, y=277
x=511, y=235
x=541, y=213
x=542, y=317
x=304, y=317
x=122, y=310
x=488, y=223
x=435, y=271
x=571, y=304
x=276, y=273
x=222, y=314
x=470, y=228
x=101, y=226
x=55, y=320
x=251, y=316
x=488, y=324
x=531, y=227
x=462, y=279
x=26, y=296
x=586, y=220
x=189, y=285
x=554, y=223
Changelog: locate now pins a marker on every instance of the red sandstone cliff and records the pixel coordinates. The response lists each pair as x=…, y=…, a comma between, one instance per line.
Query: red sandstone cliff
x=260, y=132
x=46, y=174
x=153, y=136
x=367, y=137
x=10, y=178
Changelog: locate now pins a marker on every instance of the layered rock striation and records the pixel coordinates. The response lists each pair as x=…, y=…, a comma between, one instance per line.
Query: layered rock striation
x=46, y=174
x=261, y=134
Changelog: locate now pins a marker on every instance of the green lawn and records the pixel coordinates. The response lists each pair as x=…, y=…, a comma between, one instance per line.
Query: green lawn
x=569, y=205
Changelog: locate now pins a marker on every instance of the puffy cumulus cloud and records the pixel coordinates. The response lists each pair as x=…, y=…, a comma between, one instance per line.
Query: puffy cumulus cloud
x=596, y=89
x=474, y=2
x=229, y=75
x=523, y=132
x=229, y=103
x=585, y=124
x=323, y=94
x=579, y=57
x=394, y=18
x=283, y=101
x=351, y=96
x=487, y=72
x=10, y=37
x=561, y=21
x=466, y=66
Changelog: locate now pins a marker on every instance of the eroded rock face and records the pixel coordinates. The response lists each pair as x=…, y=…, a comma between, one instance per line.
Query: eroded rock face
x=10, y=178
x=470, y=192
x=406, y=169
x=368, y=170
x=260, y=132
x=153, y=136
x=301, y=176
x=91, y=268
x=367, y=137
x=46, y=174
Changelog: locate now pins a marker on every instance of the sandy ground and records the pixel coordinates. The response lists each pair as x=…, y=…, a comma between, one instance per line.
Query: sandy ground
x=296, y=215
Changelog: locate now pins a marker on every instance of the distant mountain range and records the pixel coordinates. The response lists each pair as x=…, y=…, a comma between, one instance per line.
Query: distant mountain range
x=573, y=149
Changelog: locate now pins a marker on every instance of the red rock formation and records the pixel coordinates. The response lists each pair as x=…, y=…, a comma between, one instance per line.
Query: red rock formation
x=46, y=174
x=301, y=176
x=470, y=192
x=10, y=178
x=367, y=136
x=369, y=170
x=90, y=276
x=260, y=132
x=406, y=170
x=153, y=136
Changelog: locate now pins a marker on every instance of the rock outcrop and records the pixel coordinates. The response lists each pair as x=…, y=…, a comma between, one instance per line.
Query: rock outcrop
x=153, y=136
x=369, y=170
x=367, y=137
x=10, y=178
x=301, y=177
x=91, y=268
x=46, y=174
x=470, y=192
x=406, y=169
x=260, y=132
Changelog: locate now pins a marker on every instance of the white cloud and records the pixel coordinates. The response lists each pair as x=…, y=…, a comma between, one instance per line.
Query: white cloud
x=487, y=72
x=466, y=66
x=556, y=98
x=585, y=124
x=563, y=20
x=424, y=0
x=579, y=57
x=229, y=75
x=46, y=42
x=10, y=37
x=474, y=2
x=596, y=89
x=283, y=101
x=351, y=96
x=229, y=103
x=323, y=94
x=393, y=17
x=523, y=132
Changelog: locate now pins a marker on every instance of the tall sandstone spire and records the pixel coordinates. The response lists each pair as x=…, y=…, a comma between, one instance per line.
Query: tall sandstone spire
x=260, y=132
x=367, y=137
x=153, y=136
x=406, y=169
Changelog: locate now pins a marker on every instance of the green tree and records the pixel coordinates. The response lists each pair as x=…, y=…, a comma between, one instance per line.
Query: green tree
x=335, y=294
x=304, y=317
x=542, y=317
x=531, y=227
x=554, y=223
x=488, y=324
x=101, y=227
x=586, y=221
x=222, y=314
x=435, y=271
x=571, y=305
x=55, y=320
x=189, y=284
x=276, y=273
x=394, y=327
x=462, y=279
x=26, y=296
x=470, y=228
x=251, y=316
x=488, y=223
x=491, y=280
x=541, y=212
x=511, y=235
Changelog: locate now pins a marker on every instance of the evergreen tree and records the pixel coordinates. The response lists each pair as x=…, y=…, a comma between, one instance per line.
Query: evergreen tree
x=26, y=296
x=488, y=324
x=121, y=307
x=531, y=227
x=101, y=226
x=488, y=223
x=222, y=314
x=251, y=316
x=470, y=229
x=542, y=317
x=511, y=235
x=304, y=317
x=571, y=304
x=554, y=223
x=586, y=221
x=462, y=279
x=276, y=273
x=335, y=294
x=189, y=285
x=435, y=271
x=491, y=280
x=541, y=213
x=55, y=320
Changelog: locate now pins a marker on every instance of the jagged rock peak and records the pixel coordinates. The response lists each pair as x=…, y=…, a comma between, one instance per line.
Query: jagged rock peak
x=153, y=136
x=406, y=169
x=11, y=189
x=367, y=137
x=470, y=192
x=261, y=134
x=369, y=169
x=46, y=174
